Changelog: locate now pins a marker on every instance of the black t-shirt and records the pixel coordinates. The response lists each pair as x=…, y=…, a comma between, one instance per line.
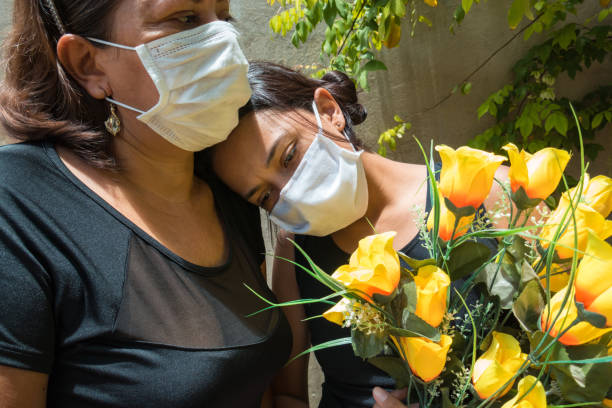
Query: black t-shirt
x=115, y=318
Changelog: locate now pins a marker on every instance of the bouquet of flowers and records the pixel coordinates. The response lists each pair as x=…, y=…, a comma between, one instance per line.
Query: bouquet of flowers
x=528, y=324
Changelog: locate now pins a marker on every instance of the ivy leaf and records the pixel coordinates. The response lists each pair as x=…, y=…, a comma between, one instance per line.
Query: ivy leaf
x=597, y=120
x=374, y=65
x=466, y=5
x=518, y=9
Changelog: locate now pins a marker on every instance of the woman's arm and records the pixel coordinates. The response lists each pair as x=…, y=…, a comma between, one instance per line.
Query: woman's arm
x=291, y=385
x=22, y=388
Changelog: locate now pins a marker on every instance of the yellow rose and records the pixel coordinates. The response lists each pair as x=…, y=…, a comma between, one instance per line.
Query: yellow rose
x=559, y=276
x=538, y=173
x=426, y=358
x=432, y=287
x=586, y=218
x=338, y=313
x=536, y=397
x=581, y=333
x=373, y=268
x=467, y=175
x=593, y=285
x=447, y=223
x=497, y=366
x=597, y=194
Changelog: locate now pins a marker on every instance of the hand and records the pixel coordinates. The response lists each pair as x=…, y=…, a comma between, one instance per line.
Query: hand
x=391, y=399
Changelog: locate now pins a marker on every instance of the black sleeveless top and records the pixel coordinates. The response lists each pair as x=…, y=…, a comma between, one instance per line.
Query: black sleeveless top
x=349, y=380
x=115, y=318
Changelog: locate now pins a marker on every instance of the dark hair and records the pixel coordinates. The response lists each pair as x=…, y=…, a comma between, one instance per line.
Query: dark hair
x=279, y=88
x=38, y=99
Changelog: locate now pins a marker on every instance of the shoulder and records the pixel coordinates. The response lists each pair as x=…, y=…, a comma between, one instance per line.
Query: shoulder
x=22, y=164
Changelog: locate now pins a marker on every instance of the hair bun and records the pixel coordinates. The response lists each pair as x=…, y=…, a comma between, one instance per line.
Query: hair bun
x=343, y=89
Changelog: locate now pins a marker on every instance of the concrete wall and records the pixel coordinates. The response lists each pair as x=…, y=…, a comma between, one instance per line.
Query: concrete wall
x=423, y=70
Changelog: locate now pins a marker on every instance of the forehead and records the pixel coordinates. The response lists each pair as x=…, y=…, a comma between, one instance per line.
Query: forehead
x=254, y=136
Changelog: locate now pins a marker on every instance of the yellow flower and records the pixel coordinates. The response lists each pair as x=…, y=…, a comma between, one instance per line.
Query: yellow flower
x=374, y=267
x=593, y=285
x=538, y=173
x=597, y=194
x=432, y=287
x=431, y=3
x=607, y=403
x=581, y=333
x=497, y=366
x=559, y=277
x=447, y=223
x=586, y=218
x=535, y=398
x=426, y=358
x=338, y=313
x=467, y=175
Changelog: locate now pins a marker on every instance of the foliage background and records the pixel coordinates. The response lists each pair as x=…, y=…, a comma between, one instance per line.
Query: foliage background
x=424, y=69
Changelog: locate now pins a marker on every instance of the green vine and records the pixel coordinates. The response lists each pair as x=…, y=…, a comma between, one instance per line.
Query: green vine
x=528, y=112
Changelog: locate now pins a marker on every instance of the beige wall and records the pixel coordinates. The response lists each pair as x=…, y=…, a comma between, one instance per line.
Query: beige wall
x=423, y=69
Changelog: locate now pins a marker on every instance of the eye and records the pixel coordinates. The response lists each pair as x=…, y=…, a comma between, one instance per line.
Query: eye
x=289, y=156
x=188, y=19
x=264, y=198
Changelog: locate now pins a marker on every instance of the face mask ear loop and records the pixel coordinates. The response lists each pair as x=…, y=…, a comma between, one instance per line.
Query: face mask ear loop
x=315, y=109
x=125, y=47
x=123, y=105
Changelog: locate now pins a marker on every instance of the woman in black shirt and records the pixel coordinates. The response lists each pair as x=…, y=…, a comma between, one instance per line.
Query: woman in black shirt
x=122, y=264
x=280, y=130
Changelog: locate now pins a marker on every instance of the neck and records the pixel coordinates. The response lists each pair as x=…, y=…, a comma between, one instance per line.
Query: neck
x=159, y=169
x=385, y=178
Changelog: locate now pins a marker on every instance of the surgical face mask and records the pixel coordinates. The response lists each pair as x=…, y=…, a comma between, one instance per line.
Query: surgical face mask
x=201, y=77
x=327, y=192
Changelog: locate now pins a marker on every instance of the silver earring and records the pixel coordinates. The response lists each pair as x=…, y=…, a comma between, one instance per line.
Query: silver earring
x=113, y=124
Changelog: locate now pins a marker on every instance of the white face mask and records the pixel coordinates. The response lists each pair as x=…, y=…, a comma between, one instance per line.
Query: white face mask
x=327, y=192
x=201, y=77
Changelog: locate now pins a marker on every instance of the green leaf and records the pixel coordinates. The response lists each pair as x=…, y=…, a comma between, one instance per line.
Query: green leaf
x=374, y=65
x=322, y=346
x=566, y=36
x=395, y=367
x=367, y=345
x=483, y=109
x=502, y=282
x=517, y=10
x=398, y=8
x=467, y=258
x=467, y=5
x=466, y=88
x=595, y=319
x=414, y=326
x=415, y=264
x=529, y=305
x=582, y=382
x=329, y=13
x=597, y=119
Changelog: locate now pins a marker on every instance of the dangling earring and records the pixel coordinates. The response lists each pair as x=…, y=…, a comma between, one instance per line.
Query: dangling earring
x=113, y=124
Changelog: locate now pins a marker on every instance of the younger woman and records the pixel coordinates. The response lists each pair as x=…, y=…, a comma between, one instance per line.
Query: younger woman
x=295, y=154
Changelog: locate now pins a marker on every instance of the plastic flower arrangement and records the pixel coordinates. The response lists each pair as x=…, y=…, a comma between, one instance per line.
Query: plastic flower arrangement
x=525, y=321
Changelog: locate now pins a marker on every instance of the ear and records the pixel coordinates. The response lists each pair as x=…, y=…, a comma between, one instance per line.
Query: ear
x=79, y=57
x=329, y=109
